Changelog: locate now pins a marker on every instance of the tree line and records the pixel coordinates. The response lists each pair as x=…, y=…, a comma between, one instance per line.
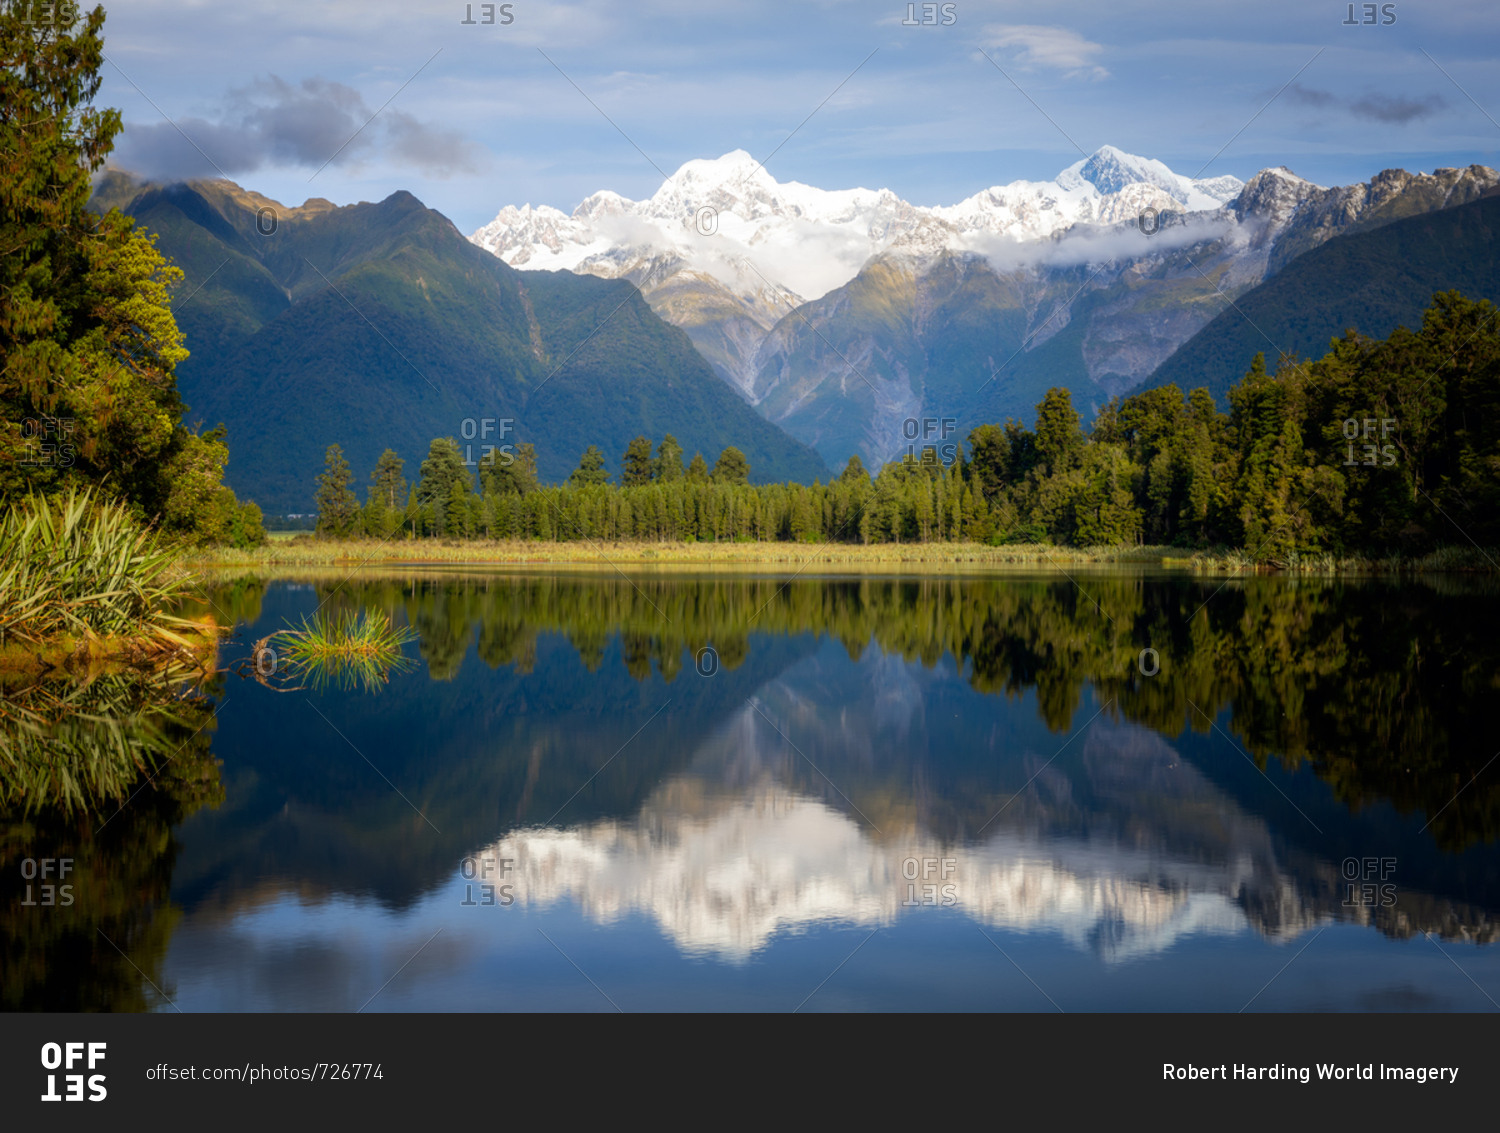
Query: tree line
x=1386, y=445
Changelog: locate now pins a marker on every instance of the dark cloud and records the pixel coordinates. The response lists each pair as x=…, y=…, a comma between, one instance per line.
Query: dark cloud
x=1394, y=110
x=439, y=151
x=1397, y=110
x=276, y=123
x=1308, y=96
x=304, y=124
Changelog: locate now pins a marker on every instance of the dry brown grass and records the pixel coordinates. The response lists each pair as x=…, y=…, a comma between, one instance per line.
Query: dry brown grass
x=305, y=551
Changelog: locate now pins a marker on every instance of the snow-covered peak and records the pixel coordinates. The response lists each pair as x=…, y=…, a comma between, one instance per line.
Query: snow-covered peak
x=1272, y=196
x=1110, y=170
x=733, y=167
x=730, y=219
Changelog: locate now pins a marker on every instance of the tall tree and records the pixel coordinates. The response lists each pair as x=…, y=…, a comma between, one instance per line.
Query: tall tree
x=385, y=501
x=636, y=465
x=88, y=344
x=854, y=472
x=386, y=483
x=503, y=472
x=990, y=466
x=590, y=469
x=669, y=460
x=523, y=473
x=1058, y=437
x=697, y=472
x=731, y=467
x=441, y=473
x=338, y=507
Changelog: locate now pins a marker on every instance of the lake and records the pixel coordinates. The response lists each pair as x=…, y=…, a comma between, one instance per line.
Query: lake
x=1106, y=790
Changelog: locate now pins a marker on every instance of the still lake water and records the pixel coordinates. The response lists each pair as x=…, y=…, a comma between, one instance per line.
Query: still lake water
x=1110, y=792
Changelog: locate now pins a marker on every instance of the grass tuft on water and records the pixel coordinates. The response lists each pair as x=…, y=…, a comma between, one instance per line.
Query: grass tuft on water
x=348, y=649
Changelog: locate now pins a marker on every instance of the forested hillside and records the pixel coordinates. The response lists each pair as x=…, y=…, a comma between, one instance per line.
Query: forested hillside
x=381, y=322
x=1380, y=446
x=1375, y=281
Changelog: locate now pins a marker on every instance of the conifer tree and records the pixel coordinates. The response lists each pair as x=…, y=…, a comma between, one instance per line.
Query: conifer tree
x=338, y=508
x=669, y=460
x=731, y=467
x=636, y=465
x=590, y=469
x=440, y=472
x=386, y=483
x=1058, y=438
x=854, y=471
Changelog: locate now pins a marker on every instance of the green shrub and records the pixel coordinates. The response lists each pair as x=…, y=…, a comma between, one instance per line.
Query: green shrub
x=74, y=564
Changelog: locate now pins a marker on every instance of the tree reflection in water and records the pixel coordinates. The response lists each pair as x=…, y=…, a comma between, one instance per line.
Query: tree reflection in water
x=95, y=774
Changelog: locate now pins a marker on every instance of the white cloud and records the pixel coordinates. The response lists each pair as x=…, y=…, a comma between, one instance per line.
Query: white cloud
x=1098, y=244
x=1042, y=46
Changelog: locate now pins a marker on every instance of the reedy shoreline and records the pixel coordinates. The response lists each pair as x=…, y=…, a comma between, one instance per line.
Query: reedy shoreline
x=84, y=586
x=313, y=551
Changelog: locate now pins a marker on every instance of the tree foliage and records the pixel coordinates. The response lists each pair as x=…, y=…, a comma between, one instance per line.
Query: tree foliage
x=731, y=467
x=668, y=466
x=1377, y=447
x=636, y=466
x=88, y=342
x=590, y=469
x=338, y=507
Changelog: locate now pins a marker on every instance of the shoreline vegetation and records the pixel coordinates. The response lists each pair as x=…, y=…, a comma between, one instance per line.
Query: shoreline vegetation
x=1381, y=456
x=84, y=587
x=310, y=551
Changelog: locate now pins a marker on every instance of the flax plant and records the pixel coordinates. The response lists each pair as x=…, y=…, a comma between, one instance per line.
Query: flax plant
x=79, y=566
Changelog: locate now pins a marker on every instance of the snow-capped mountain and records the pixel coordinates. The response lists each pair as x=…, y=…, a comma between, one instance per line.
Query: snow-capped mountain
x=726, y=251
x=730, y=220
x=1107, y=187
x=1110, y=171
x=840, y=315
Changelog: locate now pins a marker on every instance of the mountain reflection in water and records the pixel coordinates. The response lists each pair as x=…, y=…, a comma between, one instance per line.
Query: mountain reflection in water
x=749, y=776
x=724, y=870
x=730, y=854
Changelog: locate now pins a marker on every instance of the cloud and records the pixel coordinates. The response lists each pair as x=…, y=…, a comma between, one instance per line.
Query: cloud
x=274, y=123
x=1391, y=109
x=438, y=151
x=1398, y=110
x=1042, y=46
x=1097, y=244
x=1307, y=96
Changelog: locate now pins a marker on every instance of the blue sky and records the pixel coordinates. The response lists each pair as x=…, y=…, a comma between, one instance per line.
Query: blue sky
x=568, y=98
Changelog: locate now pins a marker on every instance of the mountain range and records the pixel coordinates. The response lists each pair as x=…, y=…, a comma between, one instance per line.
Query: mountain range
x=848, y=318
x=1373, y=281
x=802, y=325
x=379, y=325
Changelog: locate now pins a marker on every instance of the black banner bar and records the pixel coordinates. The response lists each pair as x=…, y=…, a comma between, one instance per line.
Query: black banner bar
x=77, y=1071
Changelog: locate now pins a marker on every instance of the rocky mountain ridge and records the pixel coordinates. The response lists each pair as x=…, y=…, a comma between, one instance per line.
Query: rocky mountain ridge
x=820, y=307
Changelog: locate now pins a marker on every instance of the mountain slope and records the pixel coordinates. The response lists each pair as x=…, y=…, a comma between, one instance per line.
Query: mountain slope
x=974, y=338
x=724, y=250
x=1371, y=281
x=843, y=315
x=379, y=325
x=954, y=339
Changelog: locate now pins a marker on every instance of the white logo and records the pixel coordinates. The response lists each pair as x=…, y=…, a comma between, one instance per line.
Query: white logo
x=68, y=1056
